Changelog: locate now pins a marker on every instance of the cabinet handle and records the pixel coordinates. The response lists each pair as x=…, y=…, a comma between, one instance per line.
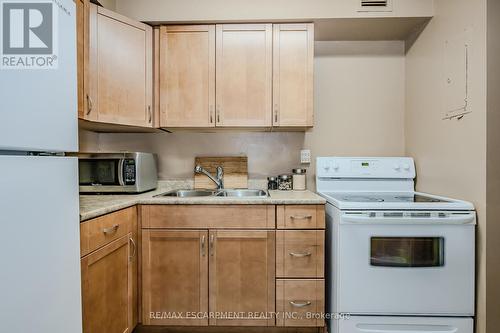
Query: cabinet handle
x=300, y=255
x=212, y=241
x=111, y=230
x=134, y=247
x=300, y=304
x=217, y=112
x=301, y=217
x=276, y=113
x=149, y=114
x=203, y=246
x=90, y=105
x=211, y=111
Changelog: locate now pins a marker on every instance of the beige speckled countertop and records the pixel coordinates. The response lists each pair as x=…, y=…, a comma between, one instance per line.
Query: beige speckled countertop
x=92, y=206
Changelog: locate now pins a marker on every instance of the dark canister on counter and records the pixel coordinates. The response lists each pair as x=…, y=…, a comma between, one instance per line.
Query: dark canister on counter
x=272, y=183
x=285, y=182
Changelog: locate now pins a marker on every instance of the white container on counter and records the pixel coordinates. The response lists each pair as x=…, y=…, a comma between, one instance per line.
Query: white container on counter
x=299, y=179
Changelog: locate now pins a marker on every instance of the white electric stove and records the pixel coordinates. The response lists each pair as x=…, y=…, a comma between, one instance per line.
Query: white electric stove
x=397, y=260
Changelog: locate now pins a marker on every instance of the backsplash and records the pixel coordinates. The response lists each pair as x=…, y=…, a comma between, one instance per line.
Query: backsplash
x=268, y=153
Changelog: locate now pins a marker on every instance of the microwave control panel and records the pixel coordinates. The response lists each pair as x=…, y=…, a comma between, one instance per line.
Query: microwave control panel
x=129, y=172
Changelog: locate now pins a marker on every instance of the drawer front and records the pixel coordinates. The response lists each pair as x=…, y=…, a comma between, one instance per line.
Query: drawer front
x=208, y=216
x=304, y=298
x=300, y=253
x=301, y=217
x=100, y=231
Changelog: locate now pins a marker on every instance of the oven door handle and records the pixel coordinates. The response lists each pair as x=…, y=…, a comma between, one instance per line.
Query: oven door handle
x=468, y=218
x=395, y=328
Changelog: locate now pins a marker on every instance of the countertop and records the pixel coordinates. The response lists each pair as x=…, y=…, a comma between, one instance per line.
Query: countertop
x=92, y=206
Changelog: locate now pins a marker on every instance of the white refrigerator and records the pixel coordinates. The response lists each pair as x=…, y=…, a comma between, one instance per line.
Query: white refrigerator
x=40, y=283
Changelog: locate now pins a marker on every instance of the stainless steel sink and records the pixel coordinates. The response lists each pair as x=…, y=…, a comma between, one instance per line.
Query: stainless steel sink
x=243, y=193
x=238, y=193
x=188, y=193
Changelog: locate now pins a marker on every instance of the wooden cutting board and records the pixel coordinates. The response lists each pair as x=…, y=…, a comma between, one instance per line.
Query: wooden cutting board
x=235, y=171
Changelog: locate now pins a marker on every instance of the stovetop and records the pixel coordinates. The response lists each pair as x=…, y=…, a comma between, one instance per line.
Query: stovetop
x=383, y=197
x=389, y=200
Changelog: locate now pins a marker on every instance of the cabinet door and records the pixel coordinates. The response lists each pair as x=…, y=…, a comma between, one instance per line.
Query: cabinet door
x=121, y=73
x=293, y=53
x=82, y=39
x=244, y=75
x=174, y=277
x=242, y=273
x=187, y=76
x=107, y=289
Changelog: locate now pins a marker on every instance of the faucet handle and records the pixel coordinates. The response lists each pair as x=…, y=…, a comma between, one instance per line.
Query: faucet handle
x=220, y=172
x=198, y=168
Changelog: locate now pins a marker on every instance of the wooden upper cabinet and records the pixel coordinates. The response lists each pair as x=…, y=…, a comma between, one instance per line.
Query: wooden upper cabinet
x=107, y=289
x=187, y=76
x=120, y=69
x=82, y=40
x=293, y=56
x=174, y=276
x=242, y=276
x=244, y=75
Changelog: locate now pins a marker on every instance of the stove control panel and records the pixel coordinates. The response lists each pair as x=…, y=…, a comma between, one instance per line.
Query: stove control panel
x=365, y=167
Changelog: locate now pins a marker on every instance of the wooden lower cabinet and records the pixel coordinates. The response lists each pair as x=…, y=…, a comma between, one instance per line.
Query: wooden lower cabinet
x=232, y=265
x=201, y=277
x=107, y=288
x=242, y=277
x=174, y=277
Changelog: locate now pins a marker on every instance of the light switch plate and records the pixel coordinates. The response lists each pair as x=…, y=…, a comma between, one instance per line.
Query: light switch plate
x=305, y=156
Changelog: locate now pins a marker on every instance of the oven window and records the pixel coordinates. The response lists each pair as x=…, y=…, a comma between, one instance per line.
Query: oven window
x=98, y=172
x=407, y=251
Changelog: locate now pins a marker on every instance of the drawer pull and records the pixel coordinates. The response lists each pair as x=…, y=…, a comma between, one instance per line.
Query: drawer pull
x=300, y=255
x=112, y=230
x=301, y=217
x=300, y=304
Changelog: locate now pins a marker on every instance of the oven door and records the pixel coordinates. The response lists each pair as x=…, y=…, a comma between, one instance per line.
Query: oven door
x=415, y=263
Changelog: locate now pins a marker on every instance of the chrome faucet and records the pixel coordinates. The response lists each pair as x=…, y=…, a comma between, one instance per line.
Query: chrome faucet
x=218, y=179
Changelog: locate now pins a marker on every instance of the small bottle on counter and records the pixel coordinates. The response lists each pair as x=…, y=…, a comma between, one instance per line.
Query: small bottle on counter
x=299, y=179
x=272, y=183
x=285, y=183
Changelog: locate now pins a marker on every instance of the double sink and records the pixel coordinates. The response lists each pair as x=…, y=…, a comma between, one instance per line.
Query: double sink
x=236, y=193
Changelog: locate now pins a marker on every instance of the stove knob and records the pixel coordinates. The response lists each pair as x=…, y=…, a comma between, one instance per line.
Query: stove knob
x=326, y=168
x=397, y=167
x=406, y=167
x=335, y=166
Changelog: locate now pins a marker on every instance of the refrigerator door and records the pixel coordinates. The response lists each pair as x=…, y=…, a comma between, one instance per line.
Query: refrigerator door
x=404, y=325
x=39, y=245
x=38, y=107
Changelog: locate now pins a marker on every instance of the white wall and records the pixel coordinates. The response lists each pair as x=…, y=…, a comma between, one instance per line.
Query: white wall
x=359, y=100
x=451, y=155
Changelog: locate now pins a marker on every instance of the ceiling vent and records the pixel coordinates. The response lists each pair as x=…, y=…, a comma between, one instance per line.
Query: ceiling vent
x=375, y=6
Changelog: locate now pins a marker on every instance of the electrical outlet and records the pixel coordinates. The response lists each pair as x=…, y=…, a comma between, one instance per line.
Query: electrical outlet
x=305, y=156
